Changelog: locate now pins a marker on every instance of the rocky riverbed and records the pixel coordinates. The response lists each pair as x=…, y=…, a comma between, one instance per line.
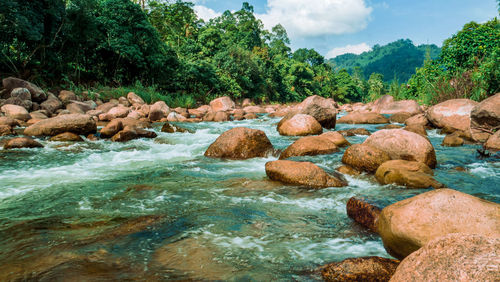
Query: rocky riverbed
x=131, y=191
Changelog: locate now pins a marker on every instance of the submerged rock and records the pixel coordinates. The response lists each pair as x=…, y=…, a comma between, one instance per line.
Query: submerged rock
x=369, y=269
x=363, y=118
x=240, y=143
x=67, y=137
x=408, y=225
x=364, y=157
x=22, y=142
x=363, y=213
x=302, y=173
x=406, y=173
x=403, y=145
x=299, y=125
x=75, y=123
x=454, y=257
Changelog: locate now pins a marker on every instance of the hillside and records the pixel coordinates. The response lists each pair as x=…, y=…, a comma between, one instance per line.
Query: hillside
x=397, y=59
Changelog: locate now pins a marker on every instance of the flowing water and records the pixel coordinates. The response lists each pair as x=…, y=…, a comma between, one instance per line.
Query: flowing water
x=157, y=209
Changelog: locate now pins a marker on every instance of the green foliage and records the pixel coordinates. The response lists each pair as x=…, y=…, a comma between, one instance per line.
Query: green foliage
x=398, y=59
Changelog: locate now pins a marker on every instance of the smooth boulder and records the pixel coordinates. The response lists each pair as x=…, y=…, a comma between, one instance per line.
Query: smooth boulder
x=363, y=118
x=222, y=104
x=454, y=257
x=453, y=114
x=67, y=137
x=406, y=173
x=364, y=157
x=322, y=109
x=37, y=94
x=403, y=145
x=363, y=213
x=407, y=225
x=302, y=173
x=16, y=112
x=240, y=143
x=75, y=123
x=299, y=125
x=309, y=146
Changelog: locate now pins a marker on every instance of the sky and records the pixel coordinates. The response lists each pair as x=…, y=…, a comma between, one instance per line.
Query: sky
x=335, y=27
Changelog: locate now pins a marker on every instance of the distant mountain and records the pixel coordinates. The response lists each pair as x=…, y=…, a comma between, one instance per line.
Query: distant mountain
x=398, y=59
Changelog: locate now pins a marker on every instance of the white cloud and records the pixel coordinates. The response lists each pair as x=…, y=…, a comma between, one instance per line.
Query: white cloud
x=354, y=49
x=311, y=18
x=205, y=13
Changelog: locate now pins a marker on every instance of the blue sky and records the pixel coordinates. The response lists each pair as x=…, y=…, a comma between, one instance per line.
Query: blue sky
x=333, y=27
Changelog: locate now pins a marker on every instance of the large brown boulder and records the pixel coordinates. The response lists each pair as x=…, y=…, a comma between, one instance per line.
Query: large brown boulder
x=22, y=142
x=408, y=225
x=417, y=120
x=309, y=146
x=364, y=157
x=128, y=133
x=37, y=94
x=240, y=143
x=335, y=137
x=76, y=107
x=493, y=142
x=115, y=112
x=302, y=173
x=485, y=117
x=406, y=106
x=322, y=109
x=221, y=116
x=454, y=257
x=403, y=145
x=366, y=269
x=363, y=213
x=299, y=125
x=75, y=123
x=16, y=112
x=416, y=128
x=67, y=97
x=254, y=110
x=400, y=117
x=108, y=106
x=453, y=114
x=111, y=128
x=52, y=104
x=406, y=173
x=222, y=104
x=363, y=118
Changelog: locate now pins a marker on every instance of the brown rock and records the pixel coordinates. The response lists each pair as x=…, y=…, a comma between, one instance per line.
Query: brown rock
x=389, y=126
x=222, y=104
x=168, y=128
x=127, y=134
x=404, y=106
x=112, y=128
x=309, y=146
x=420, y=120
x=250, y=116
x=8, y=121
x=221, y=116
x=493, y=142
x=76, y=107
x=485, y=117
x=363, y=118
x=366, y=269
x=116, y=112
x=6, y=130
x=454, y=257
x=408, y=225
x=335, y=137
x=158, y=110
x=364, y=157
x=354, y=131
x=182, y=111
x=254, y=110
x=240, y=143
x=21, y=93
x=302, y=173
x=52, y=104
x=38, y=115
x=143, y=133
x=175, y=117
x=246, y=102
x=209, y=116
x=300, y=125
x=400, y=117
x=66, y=137
x=406, y=173
x=403, y=145
x=75, y=123
x=18, y=102
x=37, y=94
x=15, y=112
x=134, y=99
x=323, y=110
x=453, y=113
x=363, y=213
x=22, y=142
x=453, y=140
x=124, y=101
x=107, y=106
x=416, y=128
x=345, y=169
x=67, y=97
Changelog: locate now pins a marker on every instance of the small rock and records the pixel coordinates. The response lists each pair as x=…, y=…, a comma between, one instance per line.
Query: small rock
x=452, y=140
x=363, y=213
x=367, y=269
x=22, y=142
x=66, y=137
x=354, y=132
x=345, y=169
x=134, y=99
